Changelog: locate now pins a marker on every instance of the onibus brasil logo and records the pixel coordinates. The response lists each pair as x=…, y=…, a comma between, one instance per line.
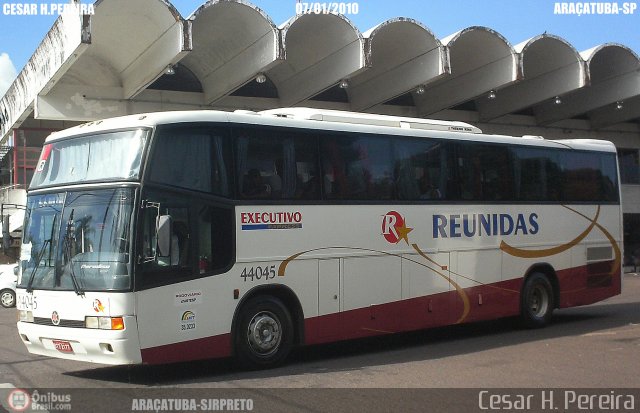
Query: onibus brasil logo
x=19, y=400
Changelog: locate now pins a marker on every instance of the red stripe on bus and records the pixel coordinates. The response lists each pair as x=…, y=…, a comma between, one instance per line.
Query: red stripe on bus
x=578, y=286
x=588, y=284
x=487, y=302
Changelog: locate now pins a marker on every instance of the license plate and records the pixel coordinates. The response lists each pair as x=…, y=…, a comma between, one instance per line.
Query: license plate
x=63, y=346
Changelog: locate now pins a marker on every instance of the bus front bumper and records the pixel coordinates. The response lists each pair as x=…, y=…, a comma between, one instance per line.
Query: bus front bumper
x=84, y=344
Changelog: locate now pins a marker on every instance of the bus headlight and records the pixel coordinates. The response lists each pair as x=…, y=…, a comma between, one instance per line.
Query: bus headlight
x=104, y=323
x=91, y=322
x=26, y=316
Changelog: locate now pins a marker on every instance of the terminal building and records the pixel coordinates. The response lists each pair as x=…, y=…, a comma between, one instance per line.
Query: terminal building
x=141, y=56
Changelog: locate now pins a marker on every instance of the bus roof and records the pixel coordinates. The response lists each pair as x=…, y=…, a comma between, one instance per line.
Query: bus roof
x=309, y=118
x=358, y=118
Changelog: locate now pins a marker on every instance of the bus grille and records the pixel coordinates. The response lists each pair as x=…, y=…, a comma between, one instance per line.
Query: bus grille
x=63, y=323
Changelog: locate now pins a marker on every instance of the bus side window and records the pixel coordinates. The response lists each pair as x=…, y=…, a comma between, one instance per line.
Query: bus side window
x=484, y=172
x=193, y=158
x=260, y=166
x=588, y=177
x=215, y=238
x=357, y=167
x=468, y=172
x=421, y=170
x=536, y=173
x=274, y=164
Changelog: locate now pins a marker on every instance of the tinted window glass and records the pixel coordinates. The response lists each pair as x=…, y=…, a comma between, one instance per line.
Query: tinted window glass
x=588, y=177
x=484, y=172
x=274, y=164
x=215, y=239
x=357, y=167
x=191, y=158
x=609, y=177
x=200, y=240
x=537, y=174
x=422, y=170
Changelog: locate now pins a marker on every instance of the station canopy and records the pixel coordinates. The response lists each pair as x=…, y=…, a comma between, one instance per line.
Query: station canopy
x=141, y=56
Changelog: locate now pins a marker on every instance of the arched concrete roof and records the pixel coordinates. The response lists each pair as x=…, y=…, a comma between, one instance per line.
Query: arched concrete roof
x=158, y=26
x=614, y=73
x=91, y=67
x=224, y=57
x=550, y=67
x=132, y=43
x=403, y=54
x=320, y=50
x=600, y=58
x=481, y=60
x=621, y=84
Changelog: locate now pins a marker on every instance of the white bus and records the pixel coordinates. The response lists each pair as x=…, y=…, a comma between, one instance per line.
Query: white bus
x=178, y=236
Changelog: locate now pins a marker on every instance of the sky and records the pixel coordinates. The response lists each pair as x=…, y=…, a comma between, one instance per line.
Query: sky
x=516, y=20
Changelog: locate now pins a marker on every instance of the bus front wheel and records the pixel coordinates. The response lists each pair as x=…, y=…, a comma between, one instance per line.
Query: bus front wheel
x=537, y=301
x=264, y=336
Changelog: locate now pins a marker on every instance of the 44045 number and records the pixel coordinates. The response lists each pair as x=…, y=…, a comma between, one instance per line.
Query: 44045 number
x=258, y=273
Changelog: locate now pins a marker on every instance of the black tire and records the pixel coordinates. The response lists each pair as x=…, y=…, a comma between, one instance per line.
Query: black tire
x=537, y=301
x=7, y=298
x=264, y=333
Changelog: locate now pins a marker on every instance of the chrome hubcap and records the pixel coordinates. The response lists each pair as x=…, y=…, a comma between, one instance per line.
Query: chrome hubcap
x=264, y=333
x=7, y=299
x=539, y=302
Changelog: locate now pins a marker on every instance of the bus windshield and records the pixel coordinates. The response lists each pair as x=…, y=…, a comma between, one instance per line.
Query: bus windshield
x=105, y=156
x=78, y=241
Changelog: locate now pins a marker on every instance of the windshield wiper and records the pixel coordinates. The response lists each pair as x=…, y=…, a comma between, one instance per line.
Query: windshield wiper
x=44, y=245
x=69, y=239
x=35, y=268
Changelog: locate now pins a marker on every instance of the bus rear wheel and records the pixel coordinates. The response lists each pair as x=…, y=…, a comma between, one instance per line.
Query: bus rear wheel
x=537, y=301
x=264, y=336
